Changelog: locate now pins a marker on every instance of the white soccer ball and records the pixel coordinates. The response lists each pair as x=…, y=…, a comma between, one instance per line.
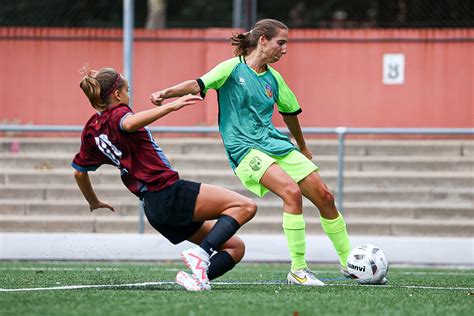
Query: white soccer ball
x=367, y=264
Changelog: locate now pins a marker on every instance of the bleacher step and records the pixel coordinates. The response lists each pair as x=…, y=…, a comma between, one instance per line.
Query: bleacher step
x=265, y=224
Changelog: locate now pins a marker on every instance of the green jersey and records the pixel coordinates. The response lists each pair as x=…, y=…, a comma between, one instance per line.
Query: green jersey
x=246, y=100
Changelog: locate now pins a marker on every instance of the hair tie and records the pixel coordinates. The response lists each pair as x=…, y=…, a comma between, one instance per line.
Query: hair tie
x=114, y=86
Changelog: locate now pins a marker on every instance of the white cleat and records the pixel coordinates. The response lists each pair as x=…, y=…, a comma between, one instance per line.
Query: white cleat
x=304, y=277
x=189, y=282
x=197, y=260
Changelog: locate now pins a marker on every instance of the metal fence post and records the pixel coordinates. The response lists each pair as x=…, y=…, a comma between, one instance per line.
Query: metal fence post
x=341, y=133
x=141, y=217
x=128, y=27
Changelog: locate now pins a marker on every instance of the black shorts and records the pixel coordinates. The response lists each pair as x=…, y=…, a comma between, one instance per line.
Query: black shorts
x=170, y=211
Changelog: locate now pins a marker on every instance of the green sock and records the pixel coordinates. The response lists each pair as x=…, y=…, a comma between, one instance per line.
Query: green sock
x=337, y=232
x=294, y=228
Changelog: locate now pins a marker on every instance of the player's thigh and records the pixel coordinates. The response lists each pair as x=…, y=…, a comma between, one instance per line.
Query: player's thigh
x=279, y=182
x=312, y=185
x=213, y=200
x=314, y=188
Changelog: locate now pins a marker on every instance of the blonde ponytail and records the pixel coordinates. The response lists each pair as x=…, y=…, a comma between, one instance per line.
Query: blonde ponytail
x=91, y=88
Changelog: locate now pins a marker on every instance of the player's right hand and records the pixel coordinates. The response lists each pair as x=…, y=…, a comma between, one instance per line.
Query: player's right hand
x=100, y=204
x=157, y=97
x=186, y=100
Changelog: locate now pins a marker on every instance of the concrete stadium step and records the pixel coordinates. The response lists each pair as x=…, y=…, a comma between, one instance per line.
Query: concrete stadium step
x=40, y=144
x=351, y=194
x=369, y=210
x=130, y=207
x=72, y=224
x=392, y=187
x=375, y=226
x=371, y=147
x=378, y=179
x=129, y=224
x=182, y=162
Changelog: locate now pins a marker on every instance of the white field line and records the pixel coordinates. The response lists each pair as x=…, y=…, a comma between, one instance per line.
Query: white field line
x=460, y=273
x=59, y=269
x=144, y=284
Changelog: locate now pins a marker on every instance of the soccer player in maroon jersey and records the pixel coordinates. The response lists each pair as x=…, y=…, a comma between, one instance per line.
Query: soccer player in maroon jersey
x=179, y=209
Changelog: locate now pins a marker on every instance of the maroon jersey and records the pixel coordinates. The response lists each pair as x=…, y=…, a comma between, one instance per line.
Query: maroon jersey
x=142, y=163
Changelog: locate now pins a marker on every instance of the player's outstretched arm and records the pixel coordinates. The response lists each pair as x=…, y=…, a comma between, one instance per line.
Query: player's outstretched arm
x=85, y=185
x=138, y=120
x=184, y=88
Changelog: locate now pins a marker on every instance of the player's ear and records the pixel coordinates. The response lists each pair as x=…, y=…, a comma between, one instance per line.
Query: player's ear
x=117, y=94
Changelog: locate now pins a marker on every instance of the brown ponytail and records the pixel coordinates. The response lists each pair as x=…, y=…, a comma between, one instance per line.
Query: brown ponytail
x=246, y=42
x=99, y=85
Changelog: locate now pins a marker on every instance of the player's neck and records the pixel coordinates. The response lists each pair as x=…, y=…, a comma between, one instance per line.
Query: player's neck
x=256, y=62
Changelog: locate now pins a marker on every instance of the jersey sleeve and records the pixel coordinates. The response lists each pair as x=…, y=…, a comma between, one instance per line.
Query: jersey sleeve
x=216, y=78
x=87, y=159
x=119, y=114
x=286, y=102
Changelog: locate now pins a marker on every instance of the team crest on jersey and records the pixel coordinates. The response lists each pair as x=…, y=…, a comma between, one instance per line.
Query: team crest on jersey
x=242, y=81
x=268, y=91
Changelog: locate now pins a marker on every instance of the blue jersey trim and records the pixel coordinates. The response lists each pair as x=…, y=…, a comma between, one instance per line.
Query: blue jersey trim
x=121, y=120
x=84, y=169
x=158, y=150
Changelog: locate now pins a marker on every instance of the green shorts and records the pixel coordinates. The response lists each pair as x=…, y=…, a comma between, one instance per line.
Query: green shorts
x=251, y=169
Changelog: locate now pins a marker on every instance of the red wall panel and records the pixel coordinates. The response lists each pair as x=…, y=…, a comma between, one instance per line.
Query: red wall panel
x=336, y=74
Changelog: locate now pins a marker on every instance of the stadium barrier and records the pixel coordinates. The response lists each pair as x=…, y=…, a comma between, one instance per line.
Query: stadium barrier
x=341, y=133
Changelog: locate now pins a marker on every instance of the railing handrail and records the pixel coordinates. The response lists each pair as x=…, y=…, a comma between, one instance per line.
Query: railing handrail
x=215, y=129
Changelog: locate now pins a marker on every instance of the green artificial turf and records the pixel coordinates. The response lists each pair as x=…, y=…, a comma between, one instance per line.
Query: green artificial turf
x=243, y=291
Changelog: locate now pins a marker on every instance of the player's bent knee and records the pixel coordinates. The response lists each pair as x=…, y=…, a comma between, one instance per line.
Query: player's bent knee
x=239, y=251
x=236, y=248
x=328, y=197
x=250, y=208
x=293, y=195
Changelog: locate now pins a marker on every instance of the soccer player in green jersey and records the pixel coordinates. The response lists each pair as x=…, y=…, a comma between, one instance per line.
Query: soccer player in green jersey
x=263, y=158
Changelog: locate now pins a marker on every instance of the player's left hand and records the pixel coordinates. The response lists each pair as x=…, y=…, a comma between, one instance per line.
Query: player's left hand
x=100, y=204
x=307, y=152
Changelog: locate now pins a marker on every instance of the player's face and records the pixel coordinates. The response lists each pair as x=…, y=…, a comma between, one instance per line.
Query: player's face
x=123, y=93
x=276, y=47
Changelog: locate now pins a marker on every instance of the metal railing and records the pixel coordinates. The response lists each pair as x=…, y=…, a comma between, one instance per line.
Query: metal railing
x=341, y=133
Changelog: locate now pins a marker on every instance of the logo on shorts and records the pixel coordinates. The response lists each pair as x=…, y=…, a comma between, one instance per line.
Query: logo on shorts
x=255, y=163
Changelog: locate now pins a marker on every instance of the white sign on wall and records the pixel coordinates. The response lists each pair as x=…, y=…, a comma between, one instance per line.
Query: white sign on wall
x=393, y=68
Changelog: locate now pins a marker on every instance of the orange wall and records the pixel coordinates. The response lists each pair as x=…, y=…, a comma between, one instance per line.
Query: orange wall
x=336, y=74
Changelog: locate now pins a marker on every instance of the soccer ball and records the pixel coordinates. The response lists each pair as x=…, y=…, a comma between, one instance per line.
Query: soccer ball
x=367, y=264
